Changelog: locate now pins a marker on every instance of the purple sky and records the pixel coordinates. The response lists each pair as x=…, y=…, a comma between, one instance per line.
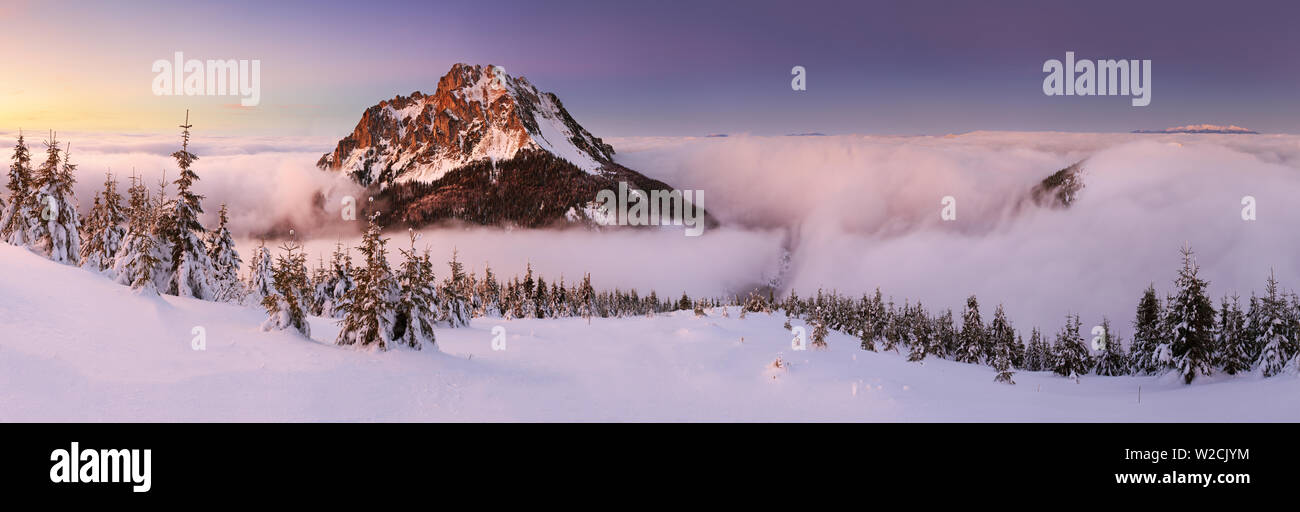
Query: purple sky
x=677, y=68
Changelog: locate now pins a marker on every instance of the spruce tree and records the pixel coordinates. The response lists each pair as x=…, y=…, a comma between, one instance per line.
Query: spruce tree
x=1191, y=320
x=1111, y=361
x=286, y=308
x=225, y=261
x=417, y=300
x=1149, y=335
x=1036, y=353
x=105, y=228
x=56, y=232
x=370, y=316
x=20, y=215
x=973, y=337
x=454, y=295
x=1277, y=331
x=819, y=333
x=587, y=295
x=333, y=288
x=1001, y=337
x=190, y=273
x=1070, y=353
x=1231, y=343
x=137, y=262
x=945, y=334
x=261, y=274
x=490, y=290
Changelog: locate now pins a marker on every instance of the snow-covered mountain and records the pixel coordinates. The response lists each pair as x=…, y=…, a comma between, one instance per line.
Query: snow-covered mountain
x=477, y=113
x=485, y=148
x=1231, y=129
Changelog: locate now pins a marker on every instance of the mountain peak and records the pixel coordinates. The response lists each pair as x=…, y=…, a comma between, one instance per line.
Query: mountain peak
x=477, y=113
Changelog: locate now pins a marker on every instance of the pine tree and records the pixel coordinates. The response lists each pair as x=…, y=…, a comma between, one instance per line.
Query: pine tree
x=1037, y=357
x=286, y=308
x=922, y=337
x=490, y=290
x=1070, y=354
x=1111, y=361
x=945, y=334
x=1277, y=334
x=20, y=214
x=1001, y=337
x=1149, y=338
x=137, y=262
x=371, y=314
x=417, y=301
x=56, y=233
x=105, y=228
x=1191, y=320
x=225, y=261
x=542, y=300
x=190, y=273
x=453, y=295
x=1231, y=344
x=332, y=289
x=586, y=297
x=261, y=274
x=973, y=338
x=1001, y=361
x=819, y=333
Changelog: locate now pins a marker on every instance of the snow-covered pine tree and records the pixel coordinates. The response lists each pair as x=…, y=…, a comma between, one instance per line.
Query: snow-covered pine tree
x=453, y=294
x=819, y=333
x=105, y=228
x=225, y=261
x=417, y=300
x=286, y=308
x=1293, y=319
x=1036, y=353
x=20, y=215
x=332, y=290
x=922, y=338
x=190, y=273
x=1070, y=353
x=371, y=312
x=56, y=233
x=1001, y=336
x=1231, y=345
x=261, y=274
x=1149, y=336
x=587, y=295
x=1190, y=316
x=945, y=334
x=972, y=337
x=1001, y=361
x=527, y=293
x=489, y=291
x=1277, y=331
x=542, y=299
x=1112, y=361
x=137, y=261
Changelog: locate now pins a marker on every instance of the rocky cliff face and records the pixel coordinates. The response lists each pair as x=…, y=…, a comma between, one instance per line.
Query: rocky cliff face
x=477, y=113
x=485, y=148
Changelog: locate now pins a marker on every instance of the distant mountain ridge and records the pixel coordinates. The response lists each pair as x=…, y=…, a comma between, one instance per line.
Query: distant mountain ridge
x=1203, y=128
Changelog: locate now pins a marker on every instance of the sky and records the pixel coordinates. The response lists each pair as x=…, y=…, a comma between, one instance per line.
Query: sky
x=659, y=68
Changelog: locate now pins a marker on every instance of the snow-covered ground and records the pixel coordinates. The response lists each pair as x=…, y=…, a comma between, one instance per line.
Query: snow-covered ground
x=76, y=347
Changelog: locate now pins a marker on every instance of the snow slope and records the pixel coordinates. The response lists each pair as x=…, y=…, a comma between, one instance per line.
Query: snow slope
x=76, y=347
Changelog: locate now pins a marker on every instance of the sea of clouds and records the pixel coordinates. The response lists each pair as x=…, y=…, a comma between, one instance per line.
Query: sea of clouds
x=849, y=213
